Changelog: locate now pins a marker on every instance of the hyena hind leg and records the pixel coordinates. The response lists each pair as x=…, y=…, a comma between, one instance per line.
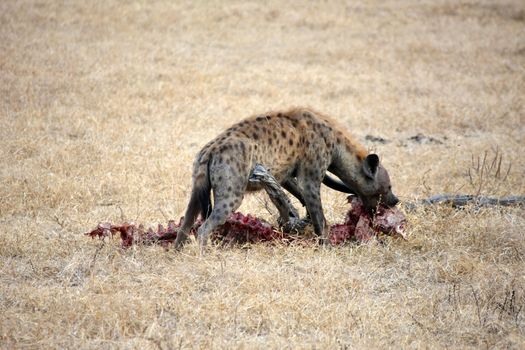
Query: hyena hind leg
x=223, y=206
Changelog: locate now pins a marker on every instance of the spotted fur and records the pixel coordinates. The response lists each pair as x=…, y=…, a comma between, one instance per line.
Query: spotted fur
x=297, y=147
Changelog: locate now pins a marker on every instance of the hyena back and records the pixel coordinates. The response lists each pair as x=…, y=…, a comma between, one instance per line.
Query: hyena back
x=297, y=147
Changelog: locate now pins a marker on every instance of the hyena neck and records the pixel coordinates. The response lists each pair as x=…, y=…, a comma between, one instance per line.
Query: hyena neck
x=347, y=163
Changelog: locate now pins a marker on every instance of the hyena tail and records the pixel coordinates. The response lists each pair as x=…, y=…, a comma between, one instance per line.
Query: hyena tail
x=200, y=201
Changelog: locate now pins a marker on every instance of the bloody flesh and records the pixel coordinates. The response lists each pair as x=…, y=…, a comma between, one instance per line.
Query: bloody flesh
x=359, y=226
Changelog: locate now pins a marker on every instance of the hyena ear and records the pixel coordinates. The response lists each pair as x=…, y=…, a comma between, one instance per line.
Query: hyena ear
x=370, y=165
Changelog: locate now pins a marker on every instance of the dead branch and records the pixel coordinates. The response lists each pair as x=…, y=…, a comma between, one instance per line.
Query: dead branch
x=288, y=216
x=461, y=200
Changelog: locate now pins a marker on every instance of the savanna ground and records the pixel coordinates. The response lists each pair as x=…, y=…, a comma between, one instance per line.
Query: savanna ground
x=104, y=105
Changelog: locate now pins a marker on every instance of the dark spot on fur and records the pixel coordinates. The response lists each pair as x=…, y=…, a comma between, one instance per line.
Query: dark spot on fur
x=259, y=119
x=290, y=142
x=255, y=136
x=283, y=133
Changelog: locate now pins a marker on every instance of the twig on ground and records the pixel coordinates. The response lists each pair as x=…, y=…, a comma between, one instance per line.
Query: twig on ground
x=461, y=200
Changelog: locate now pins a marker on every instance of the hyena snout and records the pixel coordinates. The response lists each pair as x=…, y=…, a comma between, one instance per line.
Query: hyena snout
x=377, y=190
x=373, y=202
x=391, y=200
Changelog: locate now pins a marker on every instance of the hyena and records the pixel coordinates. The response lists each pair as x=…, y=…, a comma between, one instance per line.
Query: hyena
x=297, y=147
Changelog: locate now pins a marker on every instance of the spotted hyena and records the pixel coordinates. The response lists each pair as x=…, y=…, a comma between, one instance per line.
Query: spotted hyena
x=297, y=147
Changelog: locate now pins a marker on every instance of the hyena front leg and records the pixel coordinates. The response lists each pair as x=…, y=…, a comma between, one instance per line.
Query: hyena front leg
x=312, y=198
x=291, y=186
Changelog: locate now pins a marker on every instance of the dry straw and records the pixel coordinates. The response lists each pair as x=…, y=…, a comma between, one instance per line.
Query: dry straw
x=104, y=104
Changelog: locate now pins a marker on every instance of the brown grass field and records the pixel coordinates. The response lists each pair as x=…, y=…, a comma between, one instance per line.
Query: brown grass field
x=104, y=104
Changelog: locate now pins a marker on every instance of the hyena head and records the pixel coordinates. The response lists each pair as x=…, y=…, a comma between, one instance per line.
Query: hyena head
x=374, y=187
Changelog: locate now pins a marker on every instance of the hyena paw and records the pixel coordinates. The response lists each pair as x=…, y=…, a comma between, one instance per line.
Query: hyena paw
x=293, y=224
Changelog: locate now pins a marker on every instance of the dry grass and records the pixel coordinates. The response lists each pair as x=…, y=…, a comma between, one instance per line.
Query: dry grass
x=104, y=104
